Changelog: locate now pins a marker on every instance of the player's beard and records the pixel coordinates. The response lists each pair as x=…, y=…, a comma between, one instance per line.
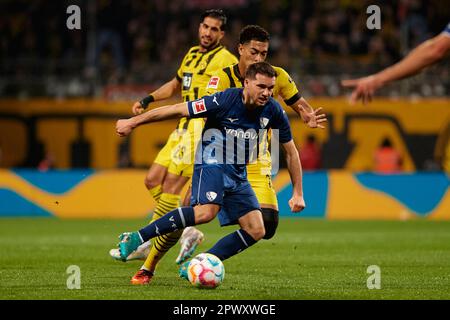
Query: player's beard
x=261, y=101
x=209, y=45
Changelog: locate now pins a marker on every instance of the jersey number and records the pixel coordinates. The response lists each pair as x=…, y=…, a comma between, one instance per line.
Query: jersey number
x=187, y=80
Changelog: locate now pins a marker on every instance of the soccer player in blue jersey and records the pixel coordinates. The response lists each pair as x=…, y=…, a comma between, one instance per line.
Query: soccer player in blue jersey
x=219, y=184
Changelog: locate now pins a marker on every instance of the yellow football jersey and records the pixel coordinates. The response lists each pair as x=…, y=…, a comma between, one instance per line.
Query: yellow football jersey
x=285, y=88
x=230, y=77
x=196, y=70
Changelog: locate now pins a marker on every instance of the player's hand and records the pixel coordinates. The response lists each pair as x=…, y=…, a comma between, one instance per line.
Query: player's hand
x=124, y=127
x=137, y=108
x=313, y=119
x=297, y=203
x=364, y=88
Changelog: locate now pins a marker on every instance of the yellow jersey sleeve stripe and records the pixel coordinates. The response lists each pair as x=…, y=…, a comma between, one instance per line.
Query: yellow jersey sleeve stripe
x=210, y=57
x=227, y=71
x=237, y=74
x=293, y=99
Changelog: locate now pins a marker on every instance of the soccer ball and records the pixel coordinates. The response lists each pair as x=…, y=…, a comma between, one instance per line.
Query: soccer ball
x=206, y=271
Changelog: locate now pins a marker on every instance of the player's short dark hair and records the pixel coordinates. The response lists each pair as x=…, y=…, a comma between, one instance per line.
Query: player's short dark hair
x=253, y=32
x=216, y=14
x=263, y=68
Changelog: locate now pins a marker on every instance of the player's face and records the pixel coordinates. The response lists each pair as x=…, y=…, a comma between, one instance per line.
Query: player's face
x=252, y=52
x=259, y=90
x=209, y=32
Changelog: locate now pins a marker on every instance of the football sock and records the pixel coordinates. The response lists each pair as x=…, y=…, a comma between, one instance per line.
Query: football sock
x=173, y=221
x=162, y=244
x=232, y=244
x=156, y=192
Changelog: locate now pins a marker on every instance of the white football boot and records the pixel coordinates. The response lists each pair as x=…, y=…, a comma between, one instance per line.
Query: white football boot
x=189, y=240
x=141, y=252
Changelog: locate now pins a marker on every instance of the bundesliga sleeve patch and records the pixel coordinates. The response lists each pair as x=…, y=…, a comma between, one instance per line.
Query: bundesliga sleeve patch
x=198, y=106
x=213, y=83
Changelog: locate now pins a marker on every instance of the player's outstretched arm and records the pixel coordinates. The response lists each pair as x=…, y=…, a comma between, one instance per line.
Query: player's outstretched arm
x=427, y=53
x=125, y=126
x=164, y=92
x=296, y=203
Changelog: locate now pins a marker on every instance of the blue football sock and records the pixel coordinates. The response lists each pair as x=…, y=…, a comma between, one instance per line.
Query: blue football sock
x=232, y=244
x=174, y=220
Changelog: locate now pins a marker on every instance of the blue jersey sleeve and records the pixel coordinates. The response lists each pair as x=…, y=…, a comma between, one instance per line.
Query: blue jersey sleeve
x=281, y=123
x=206, y=106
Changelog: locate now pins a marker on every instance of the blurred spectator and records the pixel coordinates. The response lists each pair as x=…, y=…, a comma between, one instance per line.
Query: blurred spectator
x=124, y=42
x=47, y=163
x=109, y=21
x=387, y=158
x=311, y=154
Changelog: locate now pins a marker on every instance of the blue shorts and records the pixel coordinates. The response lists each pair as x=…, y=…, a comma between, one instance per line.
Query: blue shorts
x=211, y=185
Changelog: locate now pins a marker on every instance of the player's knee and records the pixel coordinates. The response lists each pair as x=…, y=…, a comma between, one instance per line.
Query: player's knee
x=270, y=218
x=150, y=182
x=257, y=232
x=205, y=213
x=153, y=180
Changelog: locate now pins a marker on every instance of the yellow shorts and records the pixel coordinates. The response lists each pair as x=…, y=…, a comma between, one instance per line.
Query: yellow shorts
x=262, y=183
x=178, y=154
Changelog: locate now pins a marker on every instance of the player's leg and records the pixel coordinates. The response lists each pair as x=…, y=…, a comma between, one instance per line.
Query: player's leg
x=177, y=219
x=240, y=206
x=170, y=200
x=208, y=188
x=252, y=230
x=266, y=195
x=191, y=236
x=153, y=182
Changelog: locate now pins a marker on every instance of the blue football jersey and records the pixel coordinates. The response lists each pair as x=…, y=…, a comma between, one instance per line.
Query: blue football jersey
x=232, y=131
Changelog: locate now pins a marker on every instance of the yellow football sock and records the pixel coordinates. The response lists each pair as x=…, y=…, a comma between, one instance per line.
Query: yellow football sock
x=156, y=192
x=162, y=244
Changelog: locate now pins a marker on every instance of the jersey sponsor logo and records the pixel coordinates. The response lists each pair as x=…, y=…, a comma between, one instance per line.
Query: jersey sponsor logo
x=198, y=106
x=211, y=195
x=213, y=83
x=232, y=120
x=215, y=100
x=241, y=134
x=263, y=122
x=187, y=80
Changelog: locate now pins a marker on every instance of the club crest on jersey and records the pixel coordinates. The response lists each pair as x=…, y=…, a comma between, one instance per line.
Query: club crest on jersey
x=211, y=195
x=198, y=106
x=213, y=83
x=263, y=122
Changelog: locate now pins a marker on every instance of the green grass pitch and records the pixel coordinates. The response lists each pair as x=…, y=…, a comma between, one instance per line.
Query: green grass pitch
x=307, y=259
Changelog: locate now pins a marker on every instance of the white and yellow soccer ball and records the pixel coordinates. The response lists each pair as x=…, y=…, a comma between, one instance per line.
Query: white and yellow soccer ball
x=206, y=271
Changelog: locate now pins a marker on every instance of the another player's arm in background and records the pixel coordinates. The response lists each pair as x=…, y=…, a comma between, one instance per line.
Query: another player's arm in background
x=427, y=53
x=313, y=118
x=294, y=100
x=125, y=126
x=296, y=203
x=164, y=92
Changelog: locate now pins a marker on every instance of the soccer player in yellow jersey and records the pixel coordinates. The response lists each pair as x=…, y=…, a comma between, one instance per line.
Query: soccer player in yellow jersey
x=173, y=165
x=253, y=47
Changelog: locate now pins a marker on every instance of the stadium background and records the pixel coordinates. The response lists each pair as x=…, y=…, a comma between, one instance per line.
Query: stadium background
x=62, y=91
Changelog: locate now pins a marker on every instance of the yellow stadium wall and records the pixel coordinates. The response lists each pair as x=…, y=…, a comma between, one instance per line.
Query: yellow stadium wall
x=334, y=194
x=351, y=136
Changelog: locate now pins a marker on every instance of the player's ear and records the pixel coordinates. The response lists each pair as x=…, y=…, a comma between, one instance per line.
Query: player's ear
x=240, y=49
